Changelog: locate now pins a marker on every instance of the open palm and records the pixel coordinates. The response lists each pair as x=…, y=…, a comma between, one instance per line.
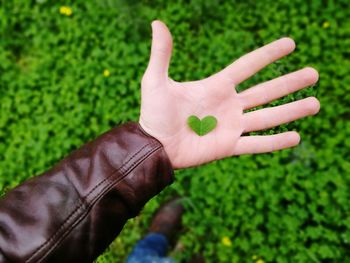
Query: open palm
x=167, y=104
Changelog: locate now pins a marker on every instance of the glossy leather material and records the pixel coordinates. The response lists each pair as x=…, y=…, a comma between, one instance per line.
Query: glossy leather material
x=75, y=210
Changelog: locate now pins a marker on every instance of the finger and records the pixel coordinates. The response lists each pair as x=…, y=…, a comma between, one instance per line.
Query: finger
x=251, y=63
x=267, y=143
x=277, y=88
x=274, y=116
x=160, y=51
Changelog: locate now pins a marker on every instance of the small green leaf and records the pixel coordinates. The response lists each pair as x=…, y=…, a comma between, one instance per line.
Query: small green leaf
x=202, y=127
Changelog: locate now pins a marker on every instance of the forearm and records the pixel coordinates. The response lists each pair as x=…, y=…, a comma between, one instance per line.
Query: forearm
x=73, y=212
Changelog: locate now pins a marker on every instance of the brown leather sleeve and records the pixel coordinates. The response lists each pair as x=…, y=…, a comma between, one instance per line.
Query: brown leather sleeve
x=74, y=211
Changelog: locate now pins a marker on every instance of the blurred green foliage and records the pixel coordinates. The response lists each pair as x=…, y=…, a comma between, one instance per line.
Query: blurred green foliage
x=288, y=206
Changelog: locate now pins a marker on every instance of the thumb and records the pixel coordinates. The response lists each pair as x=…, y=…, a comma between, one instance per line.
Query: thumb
x=162, y=44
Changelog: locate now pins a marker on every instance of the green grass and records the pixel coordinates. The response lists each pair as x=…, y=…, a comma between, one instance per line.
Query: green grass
x=288, y=206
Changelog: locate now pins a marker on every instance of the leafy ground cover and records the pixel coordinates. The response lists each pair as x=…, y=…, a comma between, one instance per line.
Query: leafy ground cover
x=70, y=70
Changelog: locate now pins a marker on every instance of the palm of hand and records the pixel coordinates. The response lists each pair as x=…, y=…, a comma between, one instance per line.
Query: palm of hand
x=166, y=105
x=165, y=111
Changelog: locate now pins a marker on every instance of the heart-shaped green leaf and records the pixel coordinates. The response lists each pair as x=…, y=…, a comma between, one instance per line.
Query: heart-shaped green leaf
x=202, y=127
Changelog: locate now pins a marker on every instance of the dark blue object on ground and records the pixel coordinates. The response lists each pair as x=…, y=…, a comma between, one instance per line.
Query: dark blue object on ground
x=151, y=249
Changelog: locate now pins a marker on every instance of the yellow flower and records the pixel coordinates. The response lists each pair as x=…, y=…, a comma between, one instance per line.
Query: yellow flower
x=106, y=73
x=66, y=10
x=326, y=24
x=226, y=241
x=260, y=261
x=254, y=257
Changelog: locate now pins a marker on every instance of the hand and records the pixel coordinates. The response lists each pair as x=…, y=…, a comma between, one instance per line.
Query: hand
x=166, y=104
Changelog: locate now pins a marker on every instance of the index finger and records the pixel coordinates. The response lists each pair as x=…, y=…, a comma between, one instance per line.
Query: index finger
x=249, y=64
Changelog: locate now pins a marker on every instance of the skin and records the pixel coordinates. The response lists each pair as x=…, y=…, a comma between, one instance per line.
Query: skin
x=166, y=104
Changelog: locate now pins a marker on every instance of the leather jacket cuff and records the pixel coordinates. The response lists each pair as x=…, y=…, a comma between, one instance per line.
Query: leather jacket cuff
x=75, y=210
